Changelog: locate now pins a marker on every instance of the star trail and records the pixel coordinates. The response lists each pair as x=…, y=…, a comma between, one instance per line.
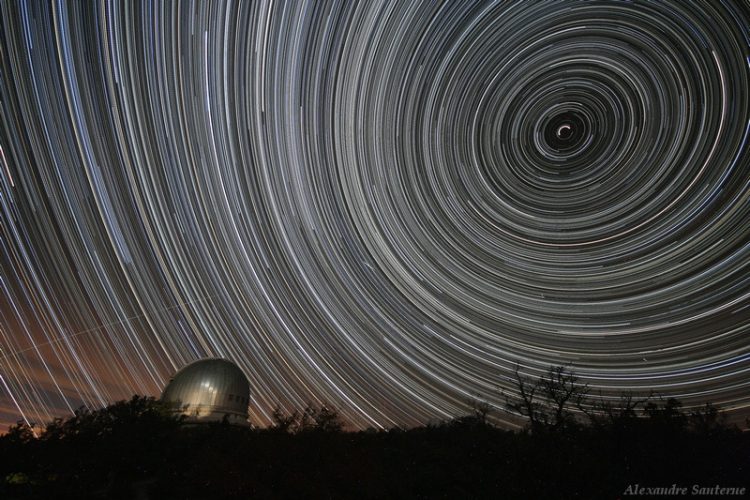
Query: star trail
x=387, y=207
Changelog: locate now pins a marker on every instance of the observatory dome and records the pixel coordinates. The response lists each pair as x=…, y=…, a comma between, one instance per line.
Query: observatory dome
x=209, y=390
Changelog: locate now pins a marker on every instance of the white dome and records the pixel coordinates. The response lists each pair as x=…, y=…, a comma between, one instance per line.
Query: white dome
x=209, y=390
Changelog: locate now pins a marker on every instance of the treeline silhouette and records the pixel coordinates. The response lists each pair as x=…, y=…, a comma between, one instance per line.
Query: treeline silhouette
x=574, y=446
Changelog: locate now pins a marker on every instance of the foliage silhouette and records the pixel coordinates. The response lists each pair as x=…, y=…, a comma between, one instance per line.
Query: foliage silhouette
x=311, y=419
x=137, y=448
x=549, y=401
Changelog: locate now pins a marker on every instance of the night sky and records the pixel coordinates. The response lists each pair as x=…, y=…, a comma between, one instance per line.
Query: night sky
x=387, y=207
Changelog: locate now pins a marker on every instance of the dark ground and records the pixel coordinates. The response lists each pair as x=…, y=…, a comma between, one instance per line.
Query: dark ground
x=133, y=450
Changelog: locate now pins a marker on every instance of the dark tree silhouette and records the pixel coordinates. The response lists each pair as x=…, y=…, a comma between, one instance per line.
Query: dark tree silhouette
x=284, y=422
x=605, y=413
x=481, y=411
x=562, y=392
x=20, y=433
x=668, y=416
x=477, y=417
x=311, y=419
x=549, y=402
x=138, y=413
x=324, y=419
x=707, y=420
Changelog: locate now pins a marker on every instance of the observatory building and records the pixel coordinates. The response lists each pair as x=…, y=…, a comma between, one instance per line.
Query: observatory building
x=209, y=390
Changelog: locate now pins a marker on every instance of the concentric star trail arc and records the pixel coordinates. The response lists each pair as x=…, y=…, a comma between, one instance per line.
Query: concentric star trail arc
x=384, y=206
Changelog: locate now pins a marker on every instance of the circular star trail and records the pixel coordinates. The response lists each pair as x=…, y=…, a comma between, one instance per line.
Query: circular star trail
x=387, y=207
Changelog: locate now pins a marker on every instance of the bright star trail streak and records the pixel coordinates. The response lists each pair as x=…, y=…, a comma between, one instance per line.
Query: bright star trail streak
x=382, y=206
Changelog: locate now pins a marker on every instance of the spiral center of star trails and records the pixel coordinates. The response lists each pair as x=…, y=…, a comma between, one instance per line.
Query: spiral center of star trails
x=564, y=131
